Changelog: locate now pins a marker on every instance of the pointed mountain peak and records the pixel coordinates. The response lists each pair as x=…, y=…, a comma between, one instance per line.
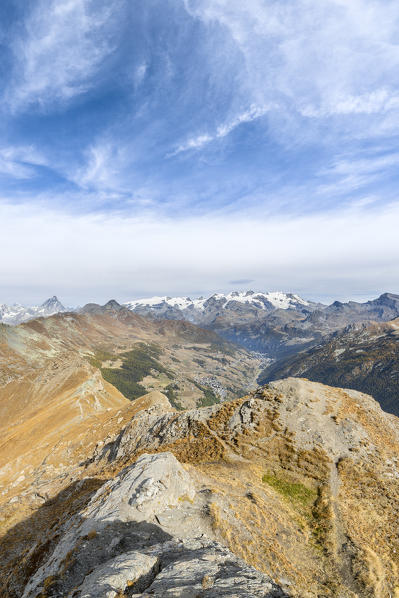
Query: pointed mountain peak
x=113, y=304
x=53, y=302
x=50, y=306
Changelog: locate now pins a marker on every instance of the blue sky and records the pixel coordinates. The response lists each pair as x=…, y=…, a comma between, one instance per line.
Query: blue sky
x=180, y=146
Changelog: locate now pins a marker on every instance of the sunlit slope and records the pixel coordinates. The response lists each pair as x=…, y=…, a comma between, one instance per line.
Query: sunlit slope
x=69, y=380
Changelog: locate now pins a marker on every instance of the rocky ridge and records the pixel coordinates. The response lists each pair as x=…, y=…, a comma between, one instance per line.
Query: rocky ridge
x=136, y=538
x=290, y=490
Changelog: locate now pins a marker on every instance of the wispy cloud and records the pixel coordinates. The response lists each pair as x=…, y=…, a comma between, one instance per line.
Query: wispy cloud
x=101, y=169
x=20, y=162
x=315, y=59
x=379, y=101
x=241, y=281
x=63, y=46
x=254, y=112
x=348, y=173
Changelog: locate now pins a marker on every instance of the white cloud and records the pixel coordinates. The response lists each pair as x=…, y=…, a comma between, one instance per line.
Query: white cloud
x=379, y=101
x=95, y=257
x=100, y=170
x=349, y=174
x=19, y=162
x=64, y=44
x=254, y=112
x=107, y=168
x=315, y=59
x=140, y=73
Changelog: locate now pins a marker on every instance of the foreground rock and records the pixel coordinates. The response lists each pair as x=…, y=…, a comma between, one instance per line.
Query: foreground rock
x=296, y=483
x=295, y=452
x=141, y=535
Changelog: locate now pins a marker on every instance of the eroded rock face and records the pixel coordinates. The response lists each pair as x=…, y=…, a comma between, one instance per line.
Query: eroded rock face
x=306, y=411
x=143, y=533
x=134, y=570
x=179, y=568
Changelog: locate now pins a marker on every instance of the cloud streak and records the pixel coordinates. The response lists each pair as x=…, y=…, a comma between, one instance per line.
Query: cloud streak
x=252, y=113
x=315, y=60
x=19, y=162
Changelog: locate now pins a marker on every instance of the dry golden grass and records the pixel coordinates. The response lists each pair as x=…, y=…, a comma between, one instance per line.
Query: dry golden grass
x=341, y=540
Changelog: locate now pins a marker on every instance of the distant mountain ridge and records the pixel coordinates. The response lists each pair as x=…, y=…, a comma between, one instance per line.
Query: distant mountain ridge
x=198, y=311
x=275, y=323
x=363, y=356
x=278, y=324
x=202, y=309
x=231, y=306
x=338, y=314
x=16, y=314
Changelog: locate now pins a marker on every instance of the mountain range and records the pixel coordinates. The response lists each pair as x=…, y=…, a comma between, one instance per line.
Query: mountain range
x=198, y=311
x=16, y=314
x=205, y=310
x=139, y=458
x=277, y=324
x=334, y=344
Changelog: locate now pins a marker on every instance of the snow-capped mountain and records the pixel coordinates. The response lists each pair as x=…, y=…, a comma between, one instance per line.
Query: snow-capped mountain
x=15, y=314
x=204, y=311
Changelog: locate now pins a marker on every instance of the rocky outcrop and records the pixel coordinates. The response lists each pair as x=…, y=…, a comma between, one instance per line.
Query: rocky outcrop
x=142, y=533
x=290, y=490
x=320, y=450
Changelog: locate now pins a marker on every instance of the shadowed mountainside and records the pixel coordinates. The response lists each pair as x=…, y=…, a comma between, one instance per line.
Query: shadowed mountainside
x=363, y=356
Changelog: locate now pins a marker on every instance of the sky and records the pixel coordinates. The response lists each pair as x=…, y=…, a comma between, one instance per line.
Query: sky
x=169, y=147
